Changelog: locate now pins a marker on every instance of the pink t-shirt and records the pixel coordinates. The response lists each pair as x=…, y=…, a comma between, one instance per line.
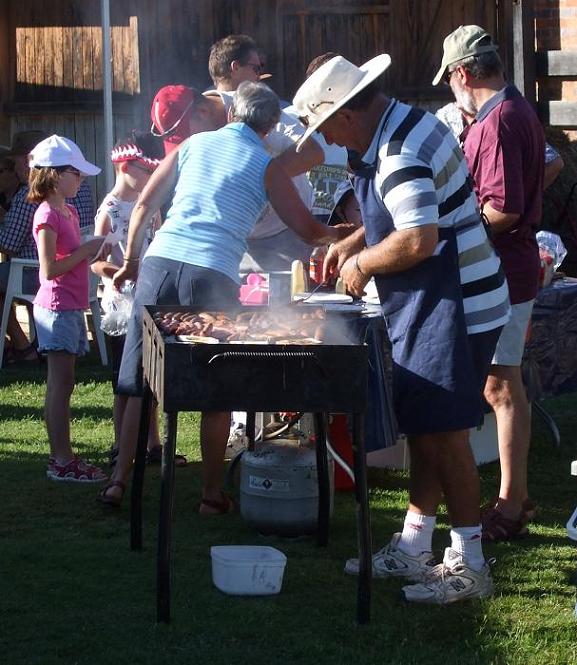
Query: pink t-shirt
x=70, y=290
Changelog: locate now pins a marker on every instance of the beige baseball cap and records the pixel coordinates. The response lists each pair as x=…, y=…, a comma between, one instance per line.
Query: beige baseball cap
x=462, y=43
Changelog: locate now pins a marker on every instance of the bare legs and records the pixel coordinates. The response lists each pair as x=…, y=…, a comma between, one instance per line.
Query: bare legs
x=13, y=329
x=443, y=464
x=59, y=387
x=214, y=430
x=506, y=395
x=119, y=409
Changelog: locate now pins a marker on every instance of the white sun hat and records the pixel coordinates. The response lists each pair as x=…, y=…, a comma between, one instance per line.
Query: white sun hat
x=331, y=87
x=59, y=151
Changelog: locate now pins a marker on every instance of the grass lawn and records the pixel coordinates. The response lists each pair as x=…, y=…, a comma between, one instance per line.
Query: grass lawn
x=72, y=592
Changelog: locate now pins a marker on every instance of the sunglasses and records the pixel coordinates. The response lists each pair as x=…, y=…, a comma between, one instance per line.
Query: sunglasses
x=256, y=67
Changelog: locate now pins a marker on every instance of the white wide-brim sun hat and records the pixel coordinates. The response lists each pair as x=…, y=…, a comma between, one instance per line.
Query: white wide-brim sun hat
x=331, y=87
x=59, y=151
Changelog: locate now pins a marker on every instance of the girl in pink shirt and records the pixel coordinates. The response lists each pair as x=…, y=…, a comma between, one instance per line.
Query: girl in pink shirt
x=57, y=168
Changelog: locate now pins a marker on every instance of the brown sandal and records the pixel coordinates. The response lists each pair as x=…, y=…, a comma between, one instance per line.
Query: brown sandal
x=226, y=505
x=154, y=456
x=111, y=501
x=528, y=508
x=498, y=528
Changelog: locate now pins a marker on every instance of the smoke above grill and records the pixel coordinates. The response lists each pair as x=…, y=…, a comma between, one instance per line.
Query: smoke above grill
x=280, y=325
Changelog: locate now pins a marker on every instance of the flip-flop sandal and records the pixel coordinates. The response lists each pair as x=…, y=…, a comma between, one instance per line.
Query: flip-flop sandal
x=226, y=505
x=154, y=456
x=111, y=501
x=498, y=528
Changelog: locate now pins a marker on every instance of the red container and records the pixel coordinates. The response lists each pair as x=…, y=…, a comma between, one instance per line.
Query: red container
x=341, y=441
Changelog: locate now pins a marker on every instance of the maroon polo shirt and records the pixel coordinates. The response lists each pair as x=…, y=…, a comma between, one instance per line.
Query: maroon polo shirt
x=504, y=149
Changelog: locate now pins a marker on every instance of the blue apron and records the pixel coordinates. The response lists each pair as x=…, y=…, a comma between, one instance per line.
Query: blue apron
x=434, y=386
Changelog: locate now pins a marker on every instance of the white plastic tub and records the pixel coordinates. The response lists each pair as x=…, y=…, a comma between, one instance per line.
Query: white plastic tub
x=247, y=570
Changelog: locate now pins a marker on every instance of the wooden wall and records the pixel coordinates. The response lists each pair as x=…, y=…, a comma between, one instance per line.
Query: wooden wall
x=52, y=75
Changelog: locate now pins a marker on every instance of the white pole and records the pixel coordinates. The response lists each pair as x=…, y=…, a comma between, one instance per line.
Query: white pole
x=107, y=91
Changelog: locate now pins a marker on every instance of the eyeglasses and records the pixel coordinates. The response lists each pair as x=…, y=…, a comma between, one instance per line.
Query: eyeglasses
x=448, y=75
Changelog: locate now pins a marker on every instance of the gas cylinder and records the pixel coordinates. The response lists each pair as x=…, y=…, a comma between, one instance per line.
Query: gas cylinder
x=279, y=491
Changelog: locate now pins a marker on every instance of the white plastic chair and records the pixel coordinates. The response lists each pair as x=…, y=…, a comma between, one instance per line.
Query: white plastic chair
x=15, y=291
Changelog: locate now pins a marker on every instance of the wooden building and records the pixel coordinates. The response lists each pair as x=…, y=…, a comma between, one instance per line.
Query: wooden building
x=51, y=54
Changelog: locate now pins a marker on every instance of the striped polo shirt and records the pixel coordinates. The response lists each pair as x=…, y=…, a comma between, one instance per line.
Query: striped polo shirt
x=422, y=178
x=219, y=195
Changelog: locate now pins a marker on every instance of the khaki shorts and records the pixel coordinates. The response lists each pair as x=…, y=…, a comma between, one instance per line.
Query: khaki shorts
x=511, y=344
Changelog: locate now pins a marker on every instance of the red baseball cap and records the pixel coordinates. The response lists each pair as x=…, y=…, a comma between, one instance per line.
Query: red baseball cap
x=170, y=111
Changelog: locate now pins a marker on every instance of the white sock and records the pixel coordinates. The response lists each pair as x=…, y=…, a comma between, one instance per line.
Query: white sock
x=466, y=540
x=417, y=533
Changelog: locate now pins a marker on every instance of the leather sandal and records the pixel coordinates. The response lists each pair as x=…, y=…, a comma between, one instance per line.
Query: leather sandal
x=226, y=505
x=498, y=528
x=154, y=456
x=529, y=509
x=112, y=501
x=28, y=354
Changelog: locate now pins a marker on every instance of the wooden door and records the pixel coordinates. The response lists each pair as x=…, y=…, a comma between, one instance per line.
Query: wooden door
x=411, y=31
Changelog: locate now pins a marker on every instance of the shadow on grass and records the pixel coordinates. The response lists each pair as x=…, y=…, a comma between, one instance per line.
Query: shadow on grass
x=87, y=370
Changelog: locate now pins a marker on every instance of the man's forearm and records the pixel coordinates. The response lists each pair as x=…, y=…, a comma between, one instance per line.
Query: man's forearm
x=499, y=221
x=399, y=251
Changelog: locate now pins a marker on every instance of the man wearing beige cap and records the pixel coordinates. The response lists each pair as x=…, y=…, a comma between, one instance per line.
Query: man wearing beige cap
x=444, y=299
x=504, y=148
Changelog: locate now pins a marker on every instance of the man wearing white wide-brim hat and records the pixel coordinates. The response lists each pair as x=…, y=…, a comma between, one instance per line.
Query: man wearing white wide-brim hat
x=444, y=298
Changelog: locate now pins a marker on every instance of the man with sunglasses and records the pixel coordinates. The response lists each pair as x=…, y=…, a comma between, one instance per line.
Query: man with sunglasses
x=504, y=147
x=232, y=60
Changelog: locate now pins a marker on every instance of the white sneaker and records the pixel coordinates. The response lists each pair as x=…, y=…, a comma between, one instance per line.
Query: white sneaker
x=237, y=441
x=451, y=581
x=393, y=562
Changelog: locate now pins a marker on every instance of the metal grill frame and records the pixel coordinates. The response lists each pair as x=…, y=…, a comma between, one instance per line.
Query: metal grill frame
x=165, y=366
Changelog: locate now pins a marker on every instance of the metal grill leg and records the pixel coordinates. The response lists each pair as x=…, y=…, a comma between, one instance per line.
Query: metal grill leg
x=250, y=429
x=138, y=472
x=363, y=521
x=165, y=521
x=323, y=479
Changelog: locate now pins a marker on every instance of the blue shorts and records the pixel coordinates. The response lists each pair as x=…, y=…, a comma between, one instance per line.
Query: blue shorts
x=61, y=331
x=166, y=282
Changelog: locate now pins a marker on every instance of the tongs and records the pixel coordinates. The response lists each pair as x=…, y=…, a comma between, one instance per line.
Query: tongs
x=308, y=295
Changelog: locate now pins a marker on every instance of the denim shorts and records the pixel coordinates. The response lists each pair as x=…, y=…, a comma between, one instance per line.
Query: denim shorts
x=166, y=282
x=61, y=331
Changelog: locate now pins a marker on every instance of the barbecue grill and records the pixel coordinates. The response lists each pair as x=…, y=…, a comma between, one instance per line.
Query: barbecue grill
x=330, y=377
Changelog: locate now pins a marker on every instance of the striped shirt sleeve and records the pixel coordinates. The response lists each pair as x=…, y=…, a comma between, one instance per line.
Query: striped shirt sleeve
x=406, y=187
